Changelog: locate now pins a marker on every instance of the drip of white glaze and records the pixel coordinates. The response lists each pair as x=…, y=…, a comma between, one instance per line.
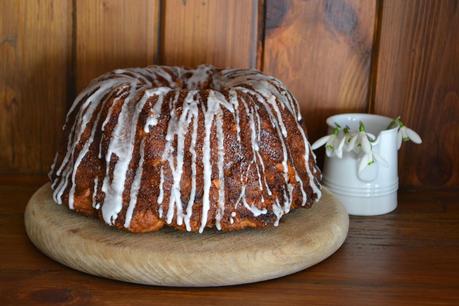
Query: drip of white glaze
x=262, y=102
x=278, y=212
x=168, y=150
x=135, y=186
x=83, y=118
x=303, y=193
x=206, y=161
x=152, y=120
x=122, y=145
x=181, y=128
x=161, y=193
x=94, y=192
x=252, y=208
x=221, y=177
x=254, y=140
x=235, y=103
x=189, y=208
x=199, y=76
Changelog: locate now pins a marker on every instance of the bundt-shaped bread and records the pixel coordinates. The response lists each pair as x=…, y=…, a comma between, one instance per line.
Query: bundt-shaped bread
x=189, y=148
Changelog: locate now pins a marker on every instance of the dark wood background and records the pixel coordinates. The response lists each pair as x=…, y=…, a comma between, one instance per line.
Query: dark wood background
x=391, y=57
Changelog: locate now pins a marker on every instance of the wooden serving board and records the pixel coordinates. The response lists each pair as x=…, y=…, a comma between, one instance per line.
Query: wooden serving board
x=171, y=258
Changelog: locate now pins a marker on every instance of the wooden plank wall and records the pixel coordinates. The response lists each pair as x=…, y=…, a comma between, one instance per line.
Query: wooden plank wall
x=322, y=51
x=35, y=52
x=113, y=34
x=418, y=78
x=385, y=56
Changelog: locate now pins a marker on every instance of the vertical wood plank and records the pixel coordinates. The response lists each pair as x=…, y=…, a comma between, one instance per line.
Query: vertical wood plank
x=222, y=33
x=35, y=51
x=322, y=51
x=418, y=78
x=114, y=34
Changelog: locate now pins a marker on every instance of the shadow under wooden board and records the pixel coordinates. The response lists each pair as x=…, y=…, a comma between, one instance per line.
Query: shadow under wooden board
x=172, y=258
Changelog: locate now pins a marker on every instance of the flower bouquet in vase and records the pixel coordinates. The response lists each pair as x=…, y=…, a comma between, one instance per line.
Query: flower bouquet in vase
x=361, y=161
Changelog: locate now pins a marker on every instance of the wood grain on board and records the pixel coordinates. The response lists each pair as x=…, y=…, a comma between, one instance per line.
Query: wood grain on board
x=222, y=33
x=322, y=51
x=35, y=52
x=113, y=34
x=418, y=78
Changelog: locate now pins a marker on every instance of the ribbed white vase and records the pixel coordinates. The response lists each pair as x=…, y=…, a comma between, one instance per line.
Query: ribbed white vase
x=374, y=190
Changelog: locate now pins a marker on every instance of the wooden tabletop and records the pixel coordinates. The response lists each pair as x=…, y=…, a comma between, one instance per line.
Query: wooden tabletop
x=408, y=257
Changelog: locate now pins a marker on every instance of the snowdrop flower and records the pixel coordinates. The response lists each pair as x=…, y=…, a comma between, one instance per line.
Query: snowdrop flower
x=333, y=143
x=363, y=140
x=369, y=156
x=339, y=145
x=350, y=139
x=404, y=133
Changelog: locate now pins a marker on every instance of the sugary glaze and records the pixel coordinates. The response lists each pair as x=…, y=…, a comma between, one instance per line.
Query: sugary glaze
x=190, y=148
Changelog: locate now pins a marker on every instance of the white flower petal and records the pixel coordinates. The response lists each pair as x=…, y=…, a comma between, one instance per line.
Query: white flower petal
x=399, y=139
x=320, y=142
x=339, y=148
x=414, y=137
x=366, y=146
x=332, y=139
x=357, y=148
x=371, y=136
x=404, y=134
x=350, y=144
x=329, y=152
x=366, y=158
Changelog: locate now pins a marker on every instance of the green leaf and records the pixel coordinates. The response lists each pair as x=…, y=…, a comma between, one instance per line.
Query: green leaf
x=394, y=123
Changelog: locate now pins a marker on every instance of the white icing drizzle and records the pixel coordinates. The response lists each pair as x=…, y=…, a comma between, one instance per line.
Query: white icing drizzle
x=152, y=120
x=209, y=113
x=258, y=94
x=221, y=177
x=121, y=145
x=235, y=103
x=261, y=100
x=255, y=210
x=189, y=208
x=79, y=159
x=255, y=147
x=278, y=212
x=83, y=117
x=135, y=186
x=168, y=150
x=199, y=76
x=161, y=193
x=94, y=193
x=180, y=130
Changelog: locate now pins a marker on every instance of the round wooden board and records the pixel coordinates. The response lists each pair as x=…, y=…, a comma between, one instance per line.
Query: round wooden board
x=171, y=258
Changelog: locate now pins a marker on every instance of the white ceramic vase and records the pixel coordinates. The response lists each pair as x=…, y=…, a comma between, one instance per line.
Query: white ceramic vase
x=374, y=190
